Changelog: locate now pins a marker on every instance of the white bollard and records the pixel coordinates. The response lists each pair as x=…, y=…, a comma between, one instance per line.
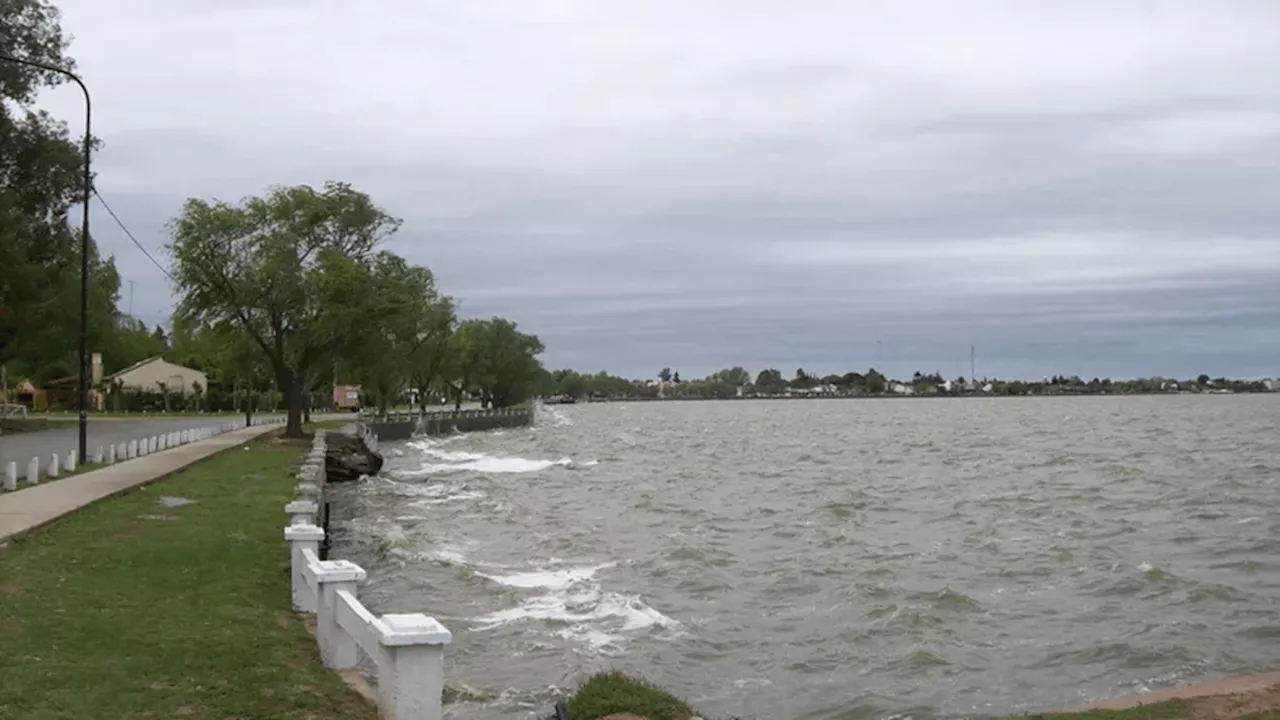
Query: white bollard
x=52, y=470
x=151, y=444
x=302, y=537
x=338, y=649
x=111, y=454
x=142, y=447
x=302, y=512
x=70, y=463
x=160, y=442
x=411, y=684
x=33, y=471
x=133, y=450
x=98, y=456
x=11, y=476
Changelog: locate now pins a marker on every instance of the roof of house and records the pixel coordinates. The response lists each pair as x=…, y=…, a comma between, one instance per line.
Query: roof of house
x=133, y=367
x=75, y=379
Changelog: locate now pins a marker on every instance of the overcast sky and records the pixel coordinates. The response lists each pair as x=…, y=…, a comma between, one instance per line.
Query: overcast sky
x=1084, y=187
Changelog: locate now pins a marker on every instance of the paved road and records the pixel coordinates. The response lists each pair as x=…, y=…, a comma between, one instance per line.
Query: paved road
x=21, y=447
x=33, y=506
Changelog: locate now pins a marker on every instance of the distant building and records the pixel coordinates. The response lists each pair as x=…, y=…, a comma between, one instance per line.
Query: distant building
x=1272, y=385
x=155, y=374
x=346, y=397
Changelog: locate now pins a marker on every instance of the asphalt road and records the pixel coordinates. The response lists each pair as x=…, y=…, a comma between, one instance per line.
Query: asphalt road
x=21, y=447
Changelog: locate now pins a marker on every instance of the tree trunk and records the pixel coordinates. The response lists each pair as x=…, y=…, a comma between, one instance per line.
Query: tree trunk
x=292, y=386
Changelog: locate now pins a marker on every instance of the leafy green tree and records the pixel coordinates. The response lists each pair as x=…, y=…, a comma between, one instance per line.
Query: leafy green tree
x=500, y=361
x=734, y=377
x=665, y=375
x=40, y=180
x=268, y=266
x=770, y=380
x=875, y=382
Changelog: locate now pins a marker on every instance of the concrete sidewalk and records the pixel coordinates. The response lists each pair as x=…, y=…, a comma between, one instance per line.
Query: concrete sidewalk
x=31, y=507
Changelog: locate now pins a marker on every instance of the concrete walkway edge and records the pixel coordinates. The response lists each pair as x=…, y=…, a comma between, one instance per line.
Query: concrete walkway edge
x=24, y=510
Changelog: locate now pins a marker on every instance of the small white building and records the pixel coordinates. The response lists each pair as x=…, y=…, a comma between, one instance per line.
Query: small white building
x=1272, y=385
x=155, y=374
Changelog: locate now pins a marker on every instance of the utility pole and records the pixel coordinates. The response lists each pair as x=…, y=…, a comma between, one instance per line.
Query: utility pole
x=84, y=247
x=973, y=372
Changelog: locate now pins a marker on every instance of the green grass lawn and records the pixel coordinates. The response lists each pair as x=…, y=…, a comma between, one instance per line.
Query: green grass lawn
x=129, y=609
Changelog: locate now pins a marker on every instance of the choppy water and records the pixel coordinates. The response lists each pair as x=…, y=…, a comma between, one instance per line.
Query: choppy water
x=840, y=559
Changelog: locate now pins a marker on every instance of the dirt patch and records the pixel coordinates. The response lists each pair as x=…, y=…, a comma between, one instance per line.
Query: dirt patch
x=1237, y=704
x=1224, y=699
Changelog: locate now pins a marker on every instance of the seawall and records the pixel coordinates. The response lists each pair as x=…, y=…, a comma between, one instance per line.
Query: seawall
x=404, y=425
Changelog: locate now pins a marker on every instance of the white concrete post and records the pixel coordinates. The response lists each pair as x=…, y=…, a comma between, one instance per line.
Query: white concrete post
x=308, y=491
x=338, y=649
x=69, y=464
x=98, y=455
x=302, y=512
x=302, y=537
x=52, y=470
x=160, y=442
x=412, y=683
x=151, y=444
x=111, y=454
x=133, y=450
x=11, y=476
x=33, y=471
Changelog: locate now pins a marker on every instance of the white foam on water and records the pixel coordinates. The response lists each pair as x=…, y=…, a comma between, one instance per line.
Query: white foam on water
x=558, y=418
x=595, y=618
x=549, y=579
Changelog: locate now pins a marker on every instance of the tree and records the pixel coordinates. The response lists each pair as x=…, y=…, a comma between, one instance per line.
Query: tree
x=497, y=360
x=411, y=315
x=265, y=265
x=665, y=375
x=41, y=179
x=734, y=377
x=770, y=380
x=875, y=382
x=1203, y=380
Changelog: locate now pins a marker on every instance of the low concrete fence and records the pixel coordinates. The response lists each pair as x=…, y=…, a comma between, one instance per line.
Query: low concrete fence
x=402, y=425
x=407, y=649
x=56, y=464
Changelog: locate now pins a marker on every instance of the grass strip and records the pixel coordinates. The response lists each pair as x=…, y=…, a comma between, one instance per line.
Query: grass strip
x=130, y=609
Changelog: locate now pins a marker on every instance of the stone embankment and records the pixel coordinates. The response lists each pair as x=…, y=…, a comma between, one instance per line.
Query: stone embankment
x=404, y=425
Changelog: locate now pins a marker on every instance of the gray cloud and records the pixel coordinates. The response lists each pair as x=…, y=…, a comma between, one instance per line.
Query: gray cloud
x=1078, y=187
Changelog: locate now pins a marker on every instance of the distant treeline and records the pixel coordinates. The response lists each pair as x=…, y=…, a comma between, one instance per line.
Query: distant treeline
x=737, y=382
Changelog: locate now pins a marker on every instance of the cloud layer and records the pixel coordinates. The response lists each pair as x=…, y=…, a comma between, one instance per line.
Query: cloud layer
x=1080, y=187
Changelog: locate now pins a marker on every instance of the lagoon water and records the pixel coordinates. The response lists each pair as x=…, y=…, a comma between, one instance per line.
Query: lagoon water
x=839, y=559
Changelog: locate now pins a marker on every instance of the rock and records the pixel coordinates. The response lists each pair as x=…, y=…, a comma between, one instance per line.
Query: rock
x=348, y=459
x=456, y=691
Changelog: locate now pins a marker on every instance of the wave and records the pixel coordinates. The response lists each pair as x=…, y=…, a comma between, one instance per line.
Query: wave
x=453, y=461
x=576, y=601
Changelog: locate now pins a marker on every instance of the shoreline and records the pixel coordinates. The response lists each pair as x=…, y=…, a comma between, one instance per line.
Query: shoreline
x=1261, y=683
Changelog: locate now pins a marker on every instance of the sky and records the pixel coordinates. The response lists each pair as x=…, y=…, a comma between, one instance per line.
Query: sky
x=1077, y=186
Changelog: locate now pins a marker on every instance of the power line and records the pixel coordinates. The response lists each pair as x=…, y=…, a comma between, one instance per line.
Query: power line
x=144, y=250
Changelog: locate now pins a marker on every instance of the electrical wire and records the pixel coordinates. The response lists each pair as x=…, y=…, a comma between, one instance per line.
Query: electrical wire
x=141, y=247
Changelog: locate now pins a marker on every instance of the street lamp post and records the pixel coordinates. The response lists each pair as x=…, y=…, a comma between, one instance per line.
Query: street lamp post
x=84, y=249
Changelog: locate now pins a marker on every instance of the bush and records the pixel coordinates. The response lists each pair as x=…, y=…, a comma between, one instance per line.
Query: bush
x=615, y=693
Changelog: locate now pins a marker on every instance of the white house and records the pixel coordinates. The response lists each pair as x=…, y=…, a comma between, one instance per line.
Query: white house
x=156, y=374
x=1272, y=385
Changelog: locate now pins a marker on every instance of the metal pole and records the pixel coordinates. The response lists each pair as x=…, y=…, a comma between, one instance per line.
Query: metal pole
x=84, y=246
